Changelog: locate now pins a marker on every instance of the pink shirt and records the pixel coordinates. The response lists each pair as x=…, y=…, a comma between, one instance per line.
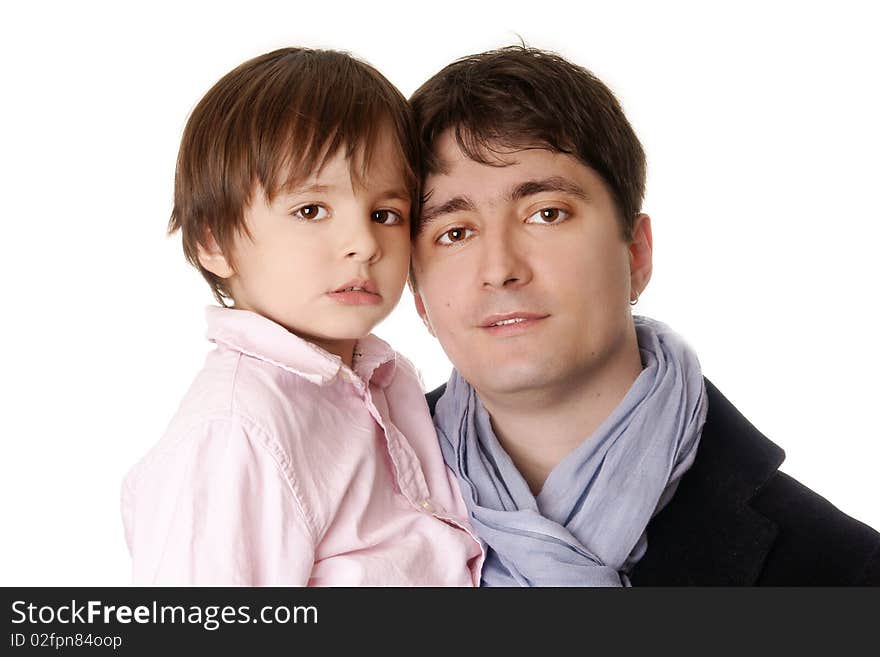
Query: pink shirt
x=283, y=466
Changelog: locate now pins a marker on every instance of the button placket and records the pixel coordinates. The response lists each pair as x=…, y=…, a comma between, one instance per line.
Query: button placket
x=407, y=469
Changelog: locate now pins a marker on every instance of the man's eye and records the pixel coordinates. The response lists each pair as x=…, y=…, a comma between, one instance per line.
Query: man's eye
x=548, y=216
x=312, y=212
x=454, y=235
x=386, y=217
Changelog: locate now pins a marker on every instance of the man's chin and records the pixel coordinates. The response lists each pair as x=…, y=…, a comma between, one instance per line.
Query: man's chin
x=513, y=380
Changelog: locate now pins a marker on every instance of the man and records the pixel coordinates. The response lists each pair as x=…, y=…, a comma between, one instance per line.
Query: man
x=589, y=448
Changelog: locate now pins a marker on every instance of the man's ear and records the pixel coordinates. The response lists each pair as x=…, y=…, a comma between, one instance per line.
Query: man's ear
x=641, y=255
x=420, y=309
x=212, y=258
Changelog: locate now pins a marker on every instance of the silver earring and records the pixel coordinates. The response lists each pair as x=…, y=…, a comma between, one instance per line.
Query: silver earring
x=634, y=300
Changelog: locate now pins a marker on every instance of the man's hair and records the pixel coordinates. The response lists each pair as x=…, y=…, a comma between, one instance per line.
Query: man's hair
x=520, y=97
x=275, y=120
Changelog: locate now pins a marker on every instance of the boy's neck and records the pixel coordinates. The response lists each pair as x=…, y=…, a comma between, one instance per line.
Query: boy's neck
x=342, y=348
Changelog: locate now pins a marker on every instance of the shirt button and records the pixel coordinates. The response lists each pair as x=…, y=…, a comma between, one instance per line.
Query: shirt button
x=426, y=505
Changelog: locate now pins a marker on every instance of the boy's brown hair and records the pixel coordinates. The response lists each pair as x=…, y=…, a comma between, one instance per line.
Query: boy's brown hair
x=274, y=121
x=518, y=97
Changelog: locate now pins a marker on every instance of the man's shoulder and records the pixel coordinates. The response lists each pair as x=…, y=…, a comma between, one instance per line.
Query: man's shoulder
x=815, y=539
x=736, y=519
x=816, y=543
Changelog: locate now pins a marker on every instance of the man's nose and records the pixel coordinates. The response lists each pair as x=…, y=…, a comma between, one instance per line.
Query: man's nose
x=504, y=263
x=361, y=243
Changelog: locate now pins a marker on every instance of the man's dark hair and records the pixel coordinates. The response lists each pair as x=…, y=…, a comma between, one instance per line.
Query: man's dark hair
x=518, y=97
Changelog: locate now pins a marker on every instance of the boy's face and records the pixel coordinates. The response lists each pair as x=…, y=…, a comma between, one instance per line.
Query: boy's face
x=312, y=245
x=521, y=270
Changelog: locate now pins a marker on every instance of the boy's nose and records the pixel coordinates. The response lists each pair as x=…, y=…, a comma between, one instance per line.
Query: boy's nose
x=362, y=245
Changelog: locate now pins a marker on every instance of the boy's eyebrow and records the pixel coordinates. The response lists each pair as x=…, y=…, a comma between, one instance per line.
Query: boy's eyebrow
x=397, y=194
x=314, y=188
x=455, y=204
x=552, y=184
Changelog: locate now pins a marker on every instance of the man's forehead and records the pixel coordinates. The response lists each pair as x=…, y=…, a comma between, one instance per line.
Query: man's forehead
x=516, y=187
x=504, y=177
x=449, y=154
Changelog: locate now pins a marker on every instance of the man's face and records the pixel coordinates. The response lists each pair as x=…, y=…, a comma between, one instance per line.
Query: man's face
x=522, y=272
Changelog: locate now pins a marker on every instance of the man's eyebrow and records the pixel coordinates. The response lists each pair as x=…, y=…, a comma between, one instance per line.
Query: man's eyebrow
x=552, y=184
x=520, y=191
x=455, y=204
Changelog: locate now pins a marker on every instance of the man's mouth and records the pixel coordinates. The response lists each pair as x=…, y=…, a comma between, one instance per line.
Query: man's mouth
x=511, y=322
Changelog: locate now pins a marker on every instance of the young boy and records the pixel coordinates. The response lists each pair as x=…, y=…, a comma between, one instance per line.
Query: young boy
x=303, y=452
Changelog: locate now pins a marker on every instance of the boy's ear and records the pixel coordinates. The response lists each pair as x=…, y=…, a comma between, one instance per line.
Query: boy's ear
x=211, y=256
x=420, y=309
x=641, y=254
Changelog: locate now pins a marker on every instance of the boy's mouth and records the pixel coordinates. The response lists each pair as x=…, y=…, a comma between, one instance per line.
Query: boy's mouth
x=358, y=285
x=359, y=292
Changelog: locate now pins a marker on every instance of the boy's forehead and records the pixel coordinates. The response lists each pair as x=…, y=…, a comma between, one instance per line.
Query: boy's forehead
x=360, y=170
x=370, y=156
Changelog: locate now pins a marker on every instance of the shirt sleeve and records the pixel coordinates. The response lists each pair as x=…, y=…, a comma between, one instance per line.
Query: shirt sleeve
x=218, y=507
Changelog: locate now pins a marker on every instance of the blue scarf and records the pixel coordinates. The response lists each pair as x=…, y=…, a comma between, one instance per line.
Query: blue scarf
x=587, y=525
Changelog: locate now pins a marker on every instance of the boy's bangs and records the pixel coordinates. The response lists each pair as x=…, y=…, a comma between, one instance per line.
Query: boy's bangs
x=299, y=157
x=314, y=116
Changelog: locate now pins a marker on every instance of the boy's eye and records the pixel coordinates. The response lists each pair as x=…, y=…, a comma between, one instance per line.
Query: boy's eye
x=454, y=235
x=547, y=216
x=387, y=217
x=311, y=212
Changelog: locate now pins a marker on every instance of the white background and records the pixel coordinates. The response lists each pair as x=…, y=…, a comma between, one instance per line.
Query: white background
x=760, y=125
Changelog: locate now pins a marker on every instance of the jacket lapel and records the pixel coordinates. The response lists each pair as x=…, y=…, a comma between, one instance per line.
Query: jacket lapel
x=708, y=534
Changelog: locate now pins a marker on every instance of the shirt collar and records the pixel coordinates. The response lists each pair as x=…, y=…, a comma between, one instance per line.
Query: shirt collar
x=374, y=361
x=259, y=337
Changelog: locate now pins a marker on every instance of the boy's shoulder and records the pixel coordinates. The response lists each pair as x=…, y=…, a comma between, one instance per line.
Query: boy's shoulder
x=231, y=390
x=243, y=389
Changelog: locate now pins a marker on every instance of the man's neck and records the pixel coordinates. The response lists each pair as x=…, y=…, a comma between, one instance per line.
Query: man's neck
x=540, y=427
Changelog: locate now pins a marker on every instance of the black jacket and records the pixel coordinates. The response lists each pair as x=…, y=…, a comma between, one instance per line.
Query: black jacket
x=735, y=520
